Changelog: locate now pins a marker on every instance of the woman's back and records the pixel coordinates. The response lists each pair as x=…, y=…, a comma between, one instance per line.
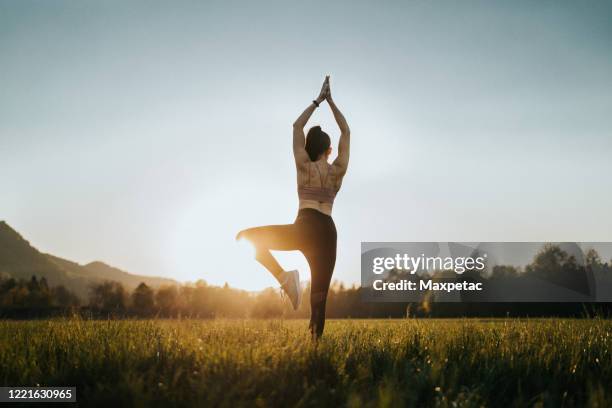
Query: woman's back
x=318, y=183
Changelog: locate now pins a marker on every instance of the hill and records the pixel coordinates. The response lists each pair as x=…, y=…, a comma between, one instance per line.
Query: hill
x=20, y=260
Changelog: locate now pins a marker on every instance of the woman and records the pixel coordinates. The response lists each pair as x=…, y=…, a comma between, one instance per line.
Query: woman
x=313, y=232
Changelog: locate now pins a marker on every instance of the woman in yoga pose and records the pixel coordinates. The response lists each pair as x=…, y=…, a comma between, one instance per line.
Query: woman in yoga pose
x=313, y=232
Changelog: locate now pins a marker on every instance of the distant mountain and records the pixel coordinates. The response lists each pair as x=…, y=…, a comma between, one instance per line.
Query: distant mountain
x=129, y=280
x=19, y=259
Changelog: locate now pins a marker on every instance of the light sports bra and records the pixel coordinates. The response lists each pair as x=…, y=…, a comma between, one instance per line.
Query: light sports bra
x=318, y=193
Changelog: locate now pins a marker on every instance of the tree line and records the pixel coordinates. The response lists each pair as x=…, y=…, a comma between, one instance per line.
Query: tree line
x=34, y=297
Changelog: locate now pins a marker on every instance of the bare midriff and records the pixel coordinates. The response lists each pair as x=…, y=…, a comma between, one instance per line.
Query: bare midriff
x=325, y=208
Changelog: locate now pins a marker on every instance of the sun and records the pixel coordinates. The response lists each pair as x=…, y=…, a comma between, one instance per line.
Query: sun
x=202, y=245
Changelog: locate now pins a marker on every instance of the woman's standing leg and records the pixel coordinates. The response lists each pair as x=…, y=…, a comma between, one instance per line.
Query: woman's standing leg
x=321, y=256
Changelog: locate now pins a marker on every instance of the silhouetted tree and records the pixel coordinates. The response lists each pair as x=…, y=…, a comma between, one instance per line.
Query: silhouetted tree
x=33, y=285
x=108, y=296
x=62, y=297
x=593, y=259
x=166, y=300
x=142, y=300
x=551, y=262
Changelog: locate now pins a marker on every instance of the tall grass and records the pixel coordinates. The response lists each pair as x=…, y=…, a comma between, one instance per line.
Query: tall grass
x=359, y=362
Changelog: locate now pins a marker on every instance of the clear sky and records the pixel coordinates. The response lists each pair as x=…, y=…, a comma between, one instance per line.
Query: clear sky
x=147, y=134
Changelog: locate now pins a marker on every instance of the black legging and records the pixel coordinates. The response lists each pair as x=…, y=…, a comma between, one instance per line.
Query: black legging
x=314, y=234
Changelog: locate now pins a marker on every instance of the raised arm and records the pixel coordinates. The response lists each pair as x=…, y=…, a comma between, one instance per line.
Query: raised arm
x=341, y=162
x=299, y=139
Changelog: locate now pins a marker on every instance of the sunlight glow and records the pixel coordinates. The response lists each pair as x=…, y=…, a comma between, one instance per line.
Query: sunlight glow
x=246, y=248
x=201, y=238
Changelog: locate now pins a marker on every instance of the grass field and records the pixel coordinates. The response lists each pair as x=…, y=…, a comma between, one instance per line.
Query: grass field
x=359, y=362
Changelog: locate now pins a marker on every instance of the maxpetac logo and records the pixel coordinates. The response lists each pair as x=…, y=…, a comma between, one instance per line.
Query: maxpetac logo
x=486, y=272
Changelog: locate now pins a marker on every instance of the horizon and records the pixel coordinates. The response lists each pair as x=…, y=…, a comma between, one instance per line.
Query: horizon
x=146, y=135
x=518, y=260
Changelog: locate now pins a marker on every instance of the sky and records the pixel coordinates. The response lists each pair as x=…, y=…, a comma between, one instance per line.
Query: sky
x=146, y=134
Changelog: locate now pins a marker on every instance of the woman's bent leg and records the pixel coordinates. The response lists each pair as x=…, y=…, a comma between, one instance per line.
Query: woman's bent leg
x=272, y=237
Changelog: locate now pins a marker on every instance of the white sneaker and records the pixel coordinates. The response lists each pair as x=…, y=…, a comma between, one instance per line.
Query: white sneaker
x=292, y=288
